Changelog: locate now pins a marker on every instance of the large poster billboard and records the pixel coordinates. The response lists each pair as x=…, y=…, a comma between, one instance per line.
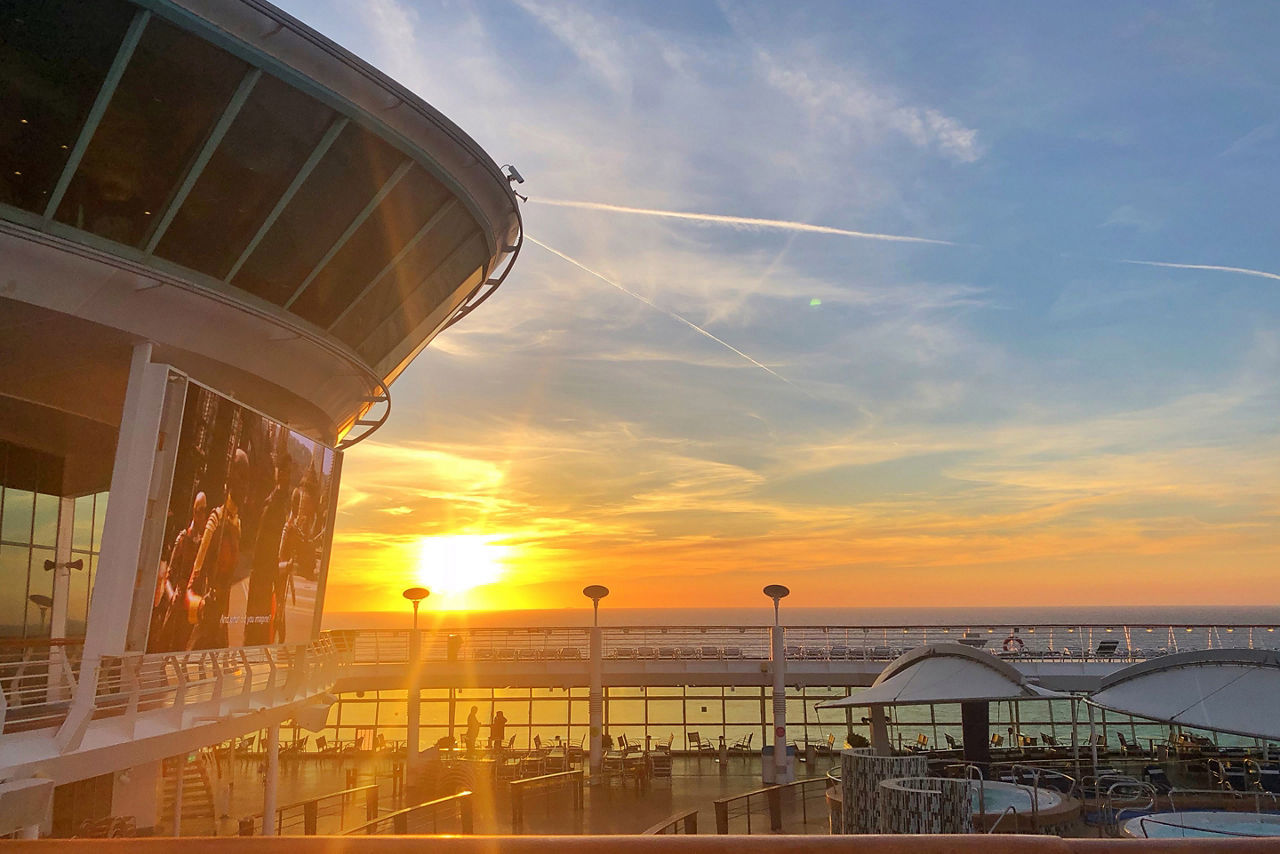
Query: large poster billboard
x=247, y=530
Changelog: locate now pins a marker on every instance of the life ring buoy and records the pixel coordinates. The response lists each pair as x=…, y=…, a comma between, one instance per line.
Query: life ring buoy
x=1013, y=643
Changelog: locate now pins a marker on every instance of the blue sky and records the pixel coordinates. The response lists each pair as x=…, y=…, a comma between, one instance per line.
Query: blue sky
x=1013, y=401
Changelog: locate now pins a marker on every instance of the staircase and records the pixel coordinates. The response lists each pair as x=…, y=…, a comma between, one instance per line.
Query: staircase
x=202, y=777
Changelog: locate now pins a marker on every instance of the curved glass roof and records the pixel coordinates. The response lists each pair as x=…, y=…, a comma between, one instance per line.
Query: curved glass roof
x=123, y=129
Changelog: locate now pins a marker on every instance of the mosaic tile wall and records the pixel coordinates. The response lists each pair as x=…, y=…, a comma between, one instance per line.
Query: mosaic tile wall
x=861, y=773
x=925, y=805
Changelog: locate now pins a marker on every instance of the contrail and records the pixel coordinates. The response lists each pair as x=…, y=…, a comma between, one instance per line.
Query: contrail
x=689, y=323
x=744, y=221
x=1262, y=274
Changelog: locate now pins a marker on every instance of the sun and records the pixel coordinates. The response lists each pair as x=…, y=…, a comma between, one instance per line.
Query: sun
x=458, y=563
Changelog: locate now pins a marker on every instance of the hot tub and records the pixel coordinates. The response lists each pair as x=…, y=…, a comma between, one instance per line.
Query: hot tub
x=1202, y=824
x=1053, y=812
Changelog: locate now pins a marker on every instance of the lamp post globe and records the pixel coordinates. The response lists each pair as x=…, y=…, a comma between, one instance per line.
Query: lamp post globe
x=595, y=592
x=416, y=595
x=777, y=593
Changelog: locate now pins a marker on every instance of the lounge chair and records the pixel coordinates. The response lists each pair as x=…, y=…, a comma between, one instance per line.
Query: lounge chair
x=697, y=743
x=742, y=745
x=648, y=652
x=951, y=741
x=1155, y=775
x=709, y=652
x=997, y=740
x=1106, y=648
x=921, y=745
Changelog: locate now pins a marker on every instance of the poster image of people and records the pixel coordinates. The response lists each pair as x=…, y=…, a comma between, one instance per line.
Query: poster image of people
x=246, y=532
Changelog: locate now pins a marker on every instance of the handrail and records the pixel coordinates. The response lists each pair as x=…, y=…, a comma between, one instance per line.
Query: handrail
x=773, y=794
x=688, y=820
x=1009, y=810
x=400, y=818
x=310, y=808
x=518, y=788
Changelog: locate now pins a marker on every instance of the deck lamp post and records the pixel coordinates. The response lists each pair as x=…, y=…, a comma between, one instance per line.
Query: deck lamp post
x=414, y=595
x=778, y=659
x=595, y=695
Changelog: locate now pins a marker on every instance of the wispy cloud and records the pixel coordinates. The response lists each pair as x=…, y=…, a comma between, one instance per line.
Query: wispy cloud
x=689, y=323
x=1244, y=271
x=738, y=221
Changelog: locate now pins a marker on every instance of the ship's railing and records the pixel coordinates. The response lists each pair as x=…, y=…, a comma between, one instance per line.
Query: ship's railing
x=40, y=692
x=327, y=814
x=1026, y=642
x=777, y=803
x=685, y=822
x=452, y=814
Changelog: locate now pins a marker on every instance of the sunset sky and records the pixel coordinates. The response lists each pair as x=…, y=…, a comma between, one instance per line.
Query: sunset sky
x=1065, y=389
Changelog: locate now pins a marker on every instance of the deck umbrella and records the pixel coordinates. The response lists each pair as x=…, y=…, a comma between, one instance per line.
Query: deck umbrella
x=1233, y=691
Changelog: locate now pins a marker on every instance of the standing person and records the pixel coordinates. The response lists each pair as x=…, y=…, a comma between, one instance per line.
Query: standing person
x=498, y=731
x=473, y=729
x=169, y=626
x=261, y=606
x=209, y=590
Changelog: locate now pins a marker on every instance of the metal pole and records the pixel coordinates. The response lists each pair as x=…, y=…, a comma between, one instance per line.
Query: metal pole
x=413, y=742
x=273, y=777
x=177, y=795
x=595, y=701
x=779, y=661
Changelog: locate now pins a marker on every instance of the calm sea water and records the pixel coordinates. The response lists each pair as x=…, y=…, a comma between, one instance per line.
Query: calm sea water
x=969, y=616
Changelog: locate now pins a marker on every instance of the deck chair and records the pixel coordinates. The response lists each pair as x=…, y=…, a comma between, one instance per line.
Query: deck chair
x=826, y=748
x=698, y=744
x=1128, y=748
x=1155, y=775
x=921, y=745
x=1048, y=740
x=997, y=740
x=742, y=745
x=1107, y=648
x=951, y=741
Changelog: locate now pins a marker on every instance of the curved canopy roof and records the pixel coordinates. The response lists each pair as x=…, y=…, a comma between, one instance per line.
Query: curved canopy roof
x=945, y=673
x=1225, y=690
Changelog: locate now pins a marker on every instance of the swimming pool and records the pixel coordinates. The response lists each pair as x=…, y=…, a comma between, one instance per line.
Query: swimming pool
x=1202, y=824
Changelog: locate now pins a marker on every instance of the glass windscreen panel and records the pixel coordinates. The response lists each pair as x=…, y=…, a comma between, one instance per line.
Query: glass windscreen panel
x=413, y=274
x=344, y=181
x=54, y=56
x=273, y=134
x=386, y=232
x=247, y=532
x=173, y=91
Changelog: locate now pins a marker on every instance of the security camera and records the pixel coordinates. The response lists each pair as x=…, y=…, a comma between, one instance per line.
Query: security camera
x=513, y=174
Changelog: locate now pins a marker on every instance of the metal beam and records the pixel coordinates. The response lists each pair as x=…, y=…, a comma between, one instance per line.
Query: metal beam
x=365, y=213
x=304, y=172
x=206, y=153
x=426, y=229
x=125, y=52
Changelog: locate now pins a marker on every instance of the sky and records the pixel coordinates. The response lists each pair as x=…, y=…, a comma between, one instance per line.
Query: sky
x=964, y=304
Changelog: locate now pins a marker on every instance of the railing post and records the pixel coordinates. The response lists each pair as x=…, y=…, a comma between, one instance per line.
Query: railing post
x=691, y=823
x=774, y=796
x=517, y=809
x=371, y=804
x=722, y=817
x=466, y=816
x=400, y=823
x=310, y=812
x=578, y=799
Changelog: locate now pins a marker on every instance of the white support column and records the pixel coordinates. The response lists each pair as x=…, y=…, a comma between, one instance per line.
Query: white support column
x=778, y=660
x=273, y=777
x=58, y=687
x=414, y=700
x=177, y=795
x=595, y=702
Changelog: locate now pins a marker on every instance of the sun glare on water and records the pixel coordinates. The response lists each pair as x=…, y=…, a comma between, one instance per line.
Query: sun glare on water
x=456, y=564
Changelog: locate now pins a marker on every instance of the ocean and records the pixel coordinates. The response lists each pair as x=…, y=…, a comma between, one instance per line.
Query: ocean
x=993, y=616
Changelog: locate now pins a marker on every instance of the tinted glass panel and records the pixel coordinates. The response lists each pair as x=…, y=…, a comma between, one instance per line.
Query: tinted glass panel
x=352, y=171
x=40, y=594
x=383, y=234
x=172, y=93
x=13, y=581
x=18, y=507
x=390, y=293
x=82, y=530
x=46, y=528
x=271, y=137
x=54, y=55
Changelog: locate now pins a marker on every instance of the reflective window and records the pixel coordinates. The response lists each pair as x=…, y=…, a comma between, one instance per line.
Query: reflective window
x=15, y=525
x=46, y=521
x=39, y=594
x=342, y=184
x=387, y=230
x=271, y=137
x=54, y=55
x=173, y=91
x=408, y=278
x=13, y=589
